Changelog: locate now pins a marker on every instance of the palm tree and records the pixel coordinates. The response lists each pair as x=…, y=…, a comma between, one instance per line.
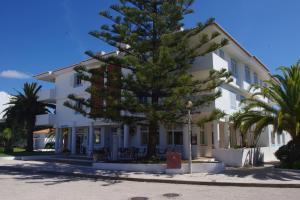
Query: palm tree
x=280, y=107
x=6, y=136
x=23, y=109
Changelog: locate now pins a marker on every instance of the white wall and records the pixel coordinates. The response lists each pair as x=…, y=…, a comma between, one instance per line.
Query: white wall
x=4, y=99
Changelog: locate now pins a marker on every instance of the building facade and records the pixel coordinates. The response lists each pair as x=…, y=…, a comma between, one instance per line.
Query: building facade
x=81, y=135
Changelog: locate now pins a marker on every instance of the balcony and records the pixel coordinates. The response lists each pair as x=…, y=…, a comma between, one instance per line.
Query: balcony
x=45, y=120
x=47, y=95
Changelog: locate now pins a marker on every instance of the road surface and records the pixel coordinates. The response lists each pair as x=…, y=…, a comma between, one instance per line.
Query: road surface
x=29, y=186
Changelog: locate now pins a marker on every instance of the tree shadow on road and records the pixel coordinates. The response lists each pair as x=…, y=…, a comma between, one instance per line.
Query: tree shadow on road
x=263, y=173
x=48, y=178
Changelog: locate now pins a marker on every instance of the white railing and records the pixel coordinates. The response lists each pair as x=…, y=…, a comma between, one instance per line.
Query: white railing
x=47, y=95
x=45, y=120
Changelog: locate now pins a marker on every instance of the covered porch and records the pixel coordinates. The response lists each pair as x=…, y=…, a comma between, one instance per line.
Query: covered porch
x=130, y=142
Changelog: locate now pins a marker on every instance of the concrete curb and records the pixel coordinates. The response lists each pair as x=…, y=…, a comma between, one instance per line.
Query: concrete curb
x=37, y=157
x=120, y=178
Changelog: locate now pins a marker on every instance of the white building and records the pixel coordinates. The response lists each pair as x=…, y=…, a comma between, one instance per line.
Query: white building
x=216, y=139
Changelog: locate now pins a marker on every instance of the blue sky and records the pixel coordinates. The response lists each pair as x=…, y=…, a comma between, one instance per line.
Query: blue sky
x=41, y=35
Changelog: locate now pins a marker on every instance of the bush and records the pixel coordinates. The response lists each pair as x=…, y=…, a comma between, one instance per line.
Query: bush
x=289, y=153
x=296, y=165
x=50, y=145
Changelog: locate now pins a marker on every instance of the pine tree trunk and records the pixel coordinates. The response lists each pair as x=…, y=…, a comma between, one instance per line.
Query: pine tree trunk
x=151, y=150
x=8, y=146
x=29, y=131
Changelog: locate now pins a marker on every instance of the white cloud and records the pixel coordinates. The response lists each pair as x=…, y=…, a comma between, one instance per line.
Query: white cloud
x=14, y=74
x=4, y=99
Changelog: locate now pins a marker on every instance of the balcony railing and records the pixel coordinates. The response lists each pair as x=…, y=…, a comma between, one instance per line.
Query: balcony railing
x=47, y=95
x=45, y=120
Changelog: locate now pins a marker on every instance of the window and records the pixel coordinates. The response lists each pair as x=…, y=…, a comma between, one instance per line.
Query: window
x=143, y=99
x=232, y=100
x=203, y=138
x=175, y=136
x=233, y=69
x=241, y=99
x=77, y=80
x=97, y=136
x=178, y=138
x=170, y=138
x=255, y=78
x=261, y=83
x=221, y=53
x=247, y=74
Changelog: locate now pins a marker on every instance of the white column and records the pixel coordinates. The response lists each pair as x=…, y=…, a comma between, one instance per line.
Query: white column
x=138, y=135
x=126, y=135
x=57, y=142
x=186, y=149
x=115, y=144
x=162, y=137
x=216, y=130
x=73, y=140
x=227, y=132
x=69, y=139
x=90, y=140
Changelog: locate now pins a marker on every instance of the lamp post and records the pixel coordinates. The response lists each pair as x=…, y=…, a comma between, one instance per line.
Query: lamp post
x=189, y=107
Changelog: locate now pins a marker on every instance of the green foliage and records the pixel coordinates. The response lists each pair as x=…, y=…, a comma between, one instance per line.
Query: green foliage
x=6, y=134
x=296, y=164
x=153, y=62
x=23, y=108
x=289, y=153
x=282, y=110
x=50, y=145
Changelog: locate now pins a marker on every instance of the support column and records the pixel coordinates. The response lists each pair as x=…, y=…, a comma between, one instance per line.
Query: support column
x=115, y=144
x=227, y=133
x=186, y=149
x=73, y=140
x=57, y=142
x=138, y=135
x=90, y=140
x=216, y=130
x=69, y=139
x=126, y=135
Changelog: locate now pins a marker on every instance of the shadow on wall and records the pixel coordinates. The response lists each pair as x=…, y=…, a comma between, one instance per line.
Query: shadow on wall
x=254, y=157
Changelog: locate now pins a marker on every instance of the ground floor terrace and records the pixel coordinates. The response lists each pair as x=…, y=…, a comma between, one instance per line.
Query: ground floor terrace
x=130, y=141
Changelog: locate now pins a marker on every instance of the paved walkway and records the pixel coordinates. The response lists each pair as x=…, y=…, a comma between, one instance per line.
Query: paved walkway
x=266, y=176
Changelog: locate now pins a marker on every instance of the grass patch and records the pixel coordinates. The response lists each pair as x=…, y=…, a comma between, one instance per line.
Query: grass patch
x=17, y=151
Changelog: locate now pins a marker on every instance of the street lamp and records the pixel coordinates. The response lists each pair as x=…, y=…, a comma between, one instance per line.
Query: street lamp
x=189, y=107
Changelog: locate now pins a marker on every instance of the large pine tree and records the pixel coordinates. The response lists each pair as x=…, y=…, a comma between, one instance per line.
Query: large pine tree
x=148, y=77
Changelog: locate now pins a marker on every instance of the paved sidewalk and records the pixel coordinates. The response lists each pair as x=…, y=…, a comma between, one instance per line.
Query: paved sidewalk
x=267, y=176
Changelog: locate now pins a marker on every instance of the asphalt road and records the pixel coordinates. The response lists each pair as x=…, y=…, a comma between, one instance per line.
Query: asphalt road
x=20, y=185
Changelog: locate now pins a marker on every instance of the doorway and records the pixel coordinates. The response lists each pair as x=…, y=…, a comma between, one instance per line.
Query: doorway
x=80, y=144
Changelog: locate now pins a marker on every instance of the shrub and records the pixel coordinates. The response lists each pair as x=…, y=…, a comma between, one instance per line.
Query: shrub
x=289, y=153
x=50, y=145
x=296, y=165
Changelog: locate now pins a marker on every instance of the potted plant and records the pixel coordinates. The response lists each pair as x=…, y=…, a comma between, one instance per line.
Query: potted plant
x=66, y=152
x=96, y=155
